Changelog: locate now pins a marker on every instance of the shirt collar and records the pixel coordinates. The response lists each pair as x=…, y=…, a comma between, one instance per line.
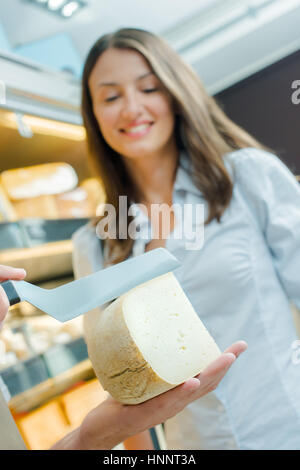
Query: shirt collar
x=183, y=182
x=184, y=176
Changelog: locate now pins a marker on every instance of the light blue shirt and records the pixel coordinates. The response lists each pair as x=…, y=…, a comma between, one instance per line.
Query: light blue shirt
x=241, y=283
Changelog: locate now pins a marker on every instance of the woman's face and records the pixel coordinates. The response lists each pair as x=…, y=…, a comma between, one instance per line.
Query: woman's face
x=133, y=110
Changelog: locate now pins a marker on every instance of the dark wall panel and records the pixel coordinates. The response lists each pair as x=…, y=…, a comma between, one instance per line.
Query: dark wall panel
x=262, y=104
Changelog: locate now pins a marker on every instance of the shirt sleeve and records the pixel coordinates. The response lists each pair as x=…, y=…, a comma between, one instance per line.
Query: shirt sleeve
x=87, y=258
x=87, y=253
x=273, y=195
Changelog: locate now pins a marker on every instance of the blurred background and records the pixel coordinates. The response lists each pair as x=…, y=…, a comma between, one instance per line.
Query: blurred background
x=247, y=52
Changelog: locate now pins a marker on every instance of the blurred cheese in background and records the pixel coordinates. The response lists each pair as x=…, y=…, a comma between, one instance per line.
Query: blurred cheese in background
x=7, y=211
x=12, y=343
x=73, y=204
x=48, y=191
x=95, y=191
x=82, y=201
x=42, y=206
x=31, y=189
x=19, y=340
x=39, y=180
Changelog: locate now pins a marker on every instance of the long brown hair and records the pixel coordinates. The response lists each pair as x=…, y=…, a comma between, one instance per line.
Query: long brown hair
x=201, y=128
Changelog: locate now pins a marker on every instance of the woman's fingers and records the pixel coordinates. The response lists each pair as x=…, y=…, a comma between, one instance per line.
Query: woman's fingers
x=237, y=348
x=15, y=274
x=168, y=404
x=211, y=376
x=177, y=398
x=4, y=304
x=164, y=406
x=6, y=273
x=214, y=373
x=222, y=364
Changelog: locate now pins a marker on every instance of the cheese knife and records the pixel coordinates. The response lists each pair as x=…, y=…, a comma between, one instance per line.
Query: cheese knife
x=77, y=297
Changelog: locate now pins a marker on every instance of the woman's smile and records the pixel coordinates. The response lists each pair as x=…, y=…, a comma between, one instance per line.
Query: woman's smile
x=136, y=131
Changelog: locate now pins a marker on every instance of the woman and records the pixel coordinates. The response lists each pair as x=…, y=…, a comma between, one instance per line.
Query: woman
x=111, y=423
x=155, y=136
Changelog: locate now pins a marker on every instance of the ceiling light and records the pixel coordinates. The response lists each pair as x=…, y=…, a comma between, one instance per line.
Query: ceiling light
x=64, y=8
x=70, y=8
x=55, y=4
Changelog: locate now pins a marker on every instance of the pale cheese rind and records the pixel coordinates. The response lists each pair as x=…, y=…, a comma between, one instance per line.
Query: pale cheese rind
x=117, y=362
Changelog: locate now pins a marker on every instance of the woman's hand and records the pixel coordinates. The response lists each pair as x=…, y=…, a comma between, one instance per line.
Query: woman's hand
x=111, y=422
x=8, y=273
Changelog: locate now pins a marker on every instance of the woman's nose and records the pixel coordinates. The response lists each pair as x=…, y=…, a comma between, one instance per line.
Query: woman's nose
x=132, y=107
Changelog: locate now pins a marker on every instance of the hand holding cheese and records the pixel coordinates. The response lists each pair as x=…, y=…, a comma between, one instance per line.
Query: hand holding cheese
x=112, y=422
x=148, y=341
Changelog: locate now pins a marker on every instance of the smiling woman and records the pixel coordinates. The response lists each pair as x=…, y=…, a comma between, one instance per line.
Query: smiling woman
x=142, y=105
x=156, y=136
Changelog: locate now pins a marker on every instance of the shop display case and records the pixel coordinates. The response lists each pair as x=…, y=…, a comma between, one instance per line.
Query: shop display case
x=46, y=194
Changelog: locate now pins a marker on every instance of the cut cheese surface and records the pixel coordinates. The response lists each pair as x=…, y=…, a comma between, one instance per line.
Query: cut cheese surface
x=148, y=341
x=167, y=331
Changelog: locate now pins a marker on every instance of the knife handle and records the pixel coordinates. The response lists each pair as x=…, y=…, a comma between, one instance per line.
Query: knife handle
x=11, y=292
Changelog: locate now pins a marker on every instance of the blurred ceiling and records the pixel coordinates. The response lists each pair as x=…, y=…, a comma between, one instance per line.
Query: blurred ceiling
x=225, y=41
x=25, y=22
x=242, y=36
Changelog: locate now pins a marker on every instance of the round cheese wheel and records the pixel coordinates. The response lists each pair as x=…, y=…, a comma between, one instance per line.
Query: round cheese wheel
x=148, y=341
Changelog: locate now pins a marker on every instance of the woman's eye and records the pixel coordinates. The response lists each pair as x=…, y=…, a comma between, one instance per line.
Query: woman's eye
x=150, y=90
x=111, y=98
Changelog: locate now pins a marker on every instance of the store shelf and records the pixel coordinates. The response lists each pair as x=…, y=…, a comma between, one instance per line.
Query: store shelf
x=42, y=262
x=51, y=388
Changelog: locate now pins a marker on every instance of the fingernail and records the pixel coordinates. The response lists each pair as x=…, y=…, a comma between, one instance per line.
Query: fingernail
x=193, y=384
x=21, y=270
x=231, y=355
x=195, y=381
